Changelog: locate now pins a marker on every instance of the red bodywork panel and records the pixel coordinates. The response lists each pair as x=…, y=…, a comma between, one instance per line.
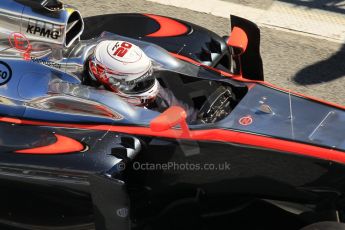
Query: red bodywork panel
x=168, y=27
x=62, y=145
x=238, y=39
x=169, y=118
x=205, y=135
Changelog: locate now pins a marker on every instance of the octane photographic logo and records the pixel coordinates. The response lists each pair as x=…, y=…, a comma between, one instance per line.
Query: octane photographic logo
x=175, y=166
x=181, y=166
x=5, y=73
x=44, y=29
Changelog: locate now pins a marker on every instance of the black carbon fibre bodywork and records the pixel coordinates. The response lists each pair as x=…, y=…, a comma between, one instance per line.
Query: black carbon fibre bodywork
x=198, y=43
x=268, y=174
x=128, y=176
x=113, y=182
x=105, y=173
x=251, y=61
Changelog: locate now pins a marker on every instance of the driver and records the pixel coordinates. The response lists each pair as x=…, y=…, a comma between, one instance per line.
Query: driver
x=124, y=69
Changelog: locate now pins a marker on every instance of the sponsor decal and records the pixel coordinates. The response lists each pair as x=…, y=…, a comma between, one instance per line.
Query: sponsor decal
x=121, y=50
x=124, y=52
x=44, y=29
x=46, y=62
x=5, y=73
x=20, y=42
x=247, y=120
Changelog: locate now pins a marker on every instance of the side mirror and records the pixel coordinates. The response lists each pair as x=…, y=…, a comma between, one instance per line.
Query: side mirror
x=238, y=40
x=171, y=117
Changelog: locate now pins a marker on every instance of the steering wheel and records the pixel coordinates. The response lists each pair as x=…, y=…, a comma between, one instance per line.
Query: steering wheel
x=217, y=106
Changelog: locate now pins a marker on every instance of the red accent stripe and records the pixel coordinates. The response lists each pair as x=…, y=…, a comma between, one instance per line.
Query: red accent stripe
x=212, y=134
x=302, y=95
x=215, y=134
x=168, y=27
x=62, y=145
x=243, y=79
x=207, y=135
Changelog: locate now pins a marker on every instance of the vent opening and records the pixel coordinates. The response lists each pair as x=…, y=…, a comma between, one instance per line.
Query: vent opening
x=74, y=29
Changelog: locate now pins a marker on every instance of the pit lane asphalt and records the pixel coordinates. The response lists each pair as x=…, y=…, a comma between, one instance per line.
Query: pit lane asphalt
x=308, y=65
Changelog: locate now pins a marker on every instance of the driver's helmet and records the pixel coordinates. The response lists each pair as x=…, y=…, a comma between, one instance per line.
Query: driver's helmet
x=124, y=68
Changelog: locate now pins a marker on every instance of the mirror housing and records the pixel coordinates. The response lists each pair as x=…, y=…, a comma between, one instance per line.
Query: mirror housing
x=171, y=117
x=238, y=40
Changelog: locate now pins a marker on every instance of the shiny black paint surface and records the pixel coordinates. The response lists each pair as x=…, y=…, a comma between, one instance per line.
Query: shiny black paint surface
x=254, y=172
x=94, y=173
x=197, y=44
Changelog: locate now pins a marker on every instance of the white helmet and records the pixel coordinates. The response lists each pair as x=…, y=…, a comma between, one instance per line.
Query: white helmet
x=125, y=69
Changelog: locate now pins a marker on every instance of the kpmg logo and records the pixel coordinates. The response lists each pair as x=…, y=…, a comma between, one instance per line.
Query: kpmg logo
x=44, y=29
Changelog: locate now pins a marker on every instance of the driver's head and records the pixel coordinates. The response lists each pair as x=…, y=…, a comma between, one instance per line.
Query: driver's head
x=125, y=69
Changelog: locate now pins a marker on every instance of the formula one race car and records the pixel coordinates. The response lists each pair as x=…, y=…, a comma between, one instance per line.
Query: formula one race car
x=76, y=156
